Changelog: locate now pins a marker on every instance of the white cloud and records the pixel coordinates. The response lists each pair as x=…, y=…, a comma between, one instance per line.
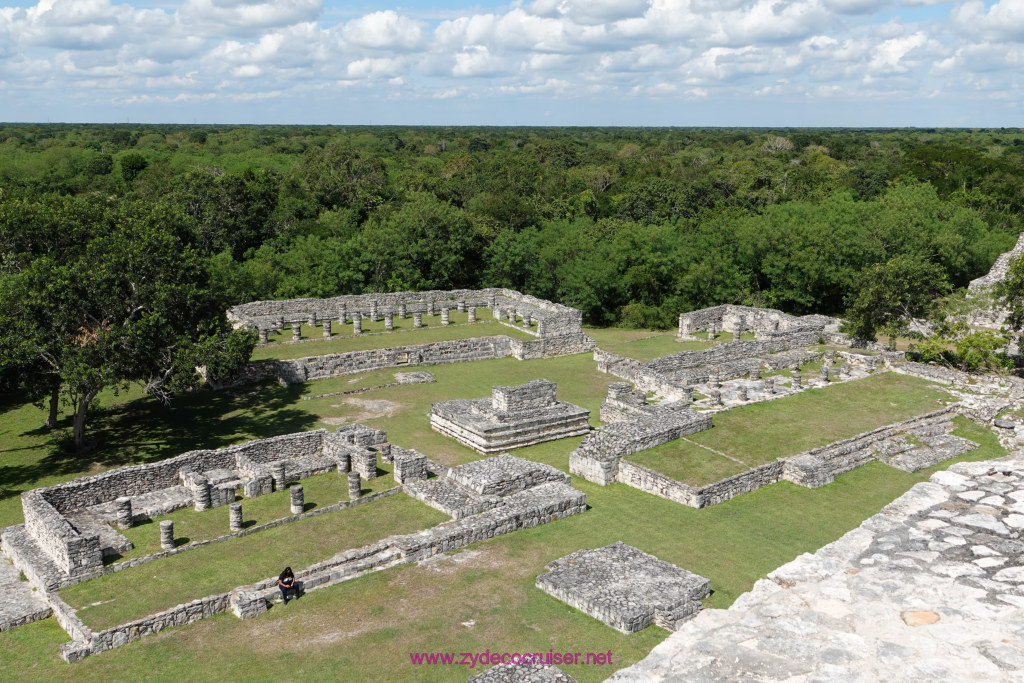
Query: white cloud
x=383, y=30
x=247, y=50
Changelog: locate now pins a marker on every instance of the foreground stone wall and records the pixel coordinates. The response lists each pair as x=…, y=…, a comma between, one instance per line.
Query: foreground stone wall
x=73, y=553
x=656, y=483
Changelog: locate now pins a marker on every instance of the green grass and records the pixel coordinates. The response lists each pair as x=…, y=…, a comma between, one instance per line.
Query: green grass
x=688, y=463
x=138, y=591
x=649, y=348
x=763, y=432
x=366, y=342
x=190, y=526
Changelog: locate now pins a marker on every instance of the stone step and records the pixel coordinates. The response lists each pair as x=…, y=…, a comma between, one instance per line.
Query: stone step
x=20, y=605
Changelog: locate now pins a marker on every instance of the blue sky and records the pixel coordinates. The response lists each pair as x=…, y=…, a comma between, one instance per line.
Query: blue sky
x=526, y=62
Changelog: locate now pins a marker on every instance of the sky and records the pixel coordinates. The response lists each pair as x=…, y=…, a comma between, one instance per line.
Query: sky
x=861, y=63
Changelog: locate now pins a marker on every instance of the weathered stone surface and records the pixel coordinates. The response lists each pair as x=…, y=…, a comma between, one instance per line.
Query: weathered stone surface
x=625, y=587
x=513, y=417
x=522, y=673
x=20, y=604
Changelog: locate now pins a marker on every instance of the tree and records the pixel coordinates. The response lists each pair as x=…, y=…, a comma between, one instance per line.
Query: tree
x=132, y=164
x=888, y=295
x=130, y=303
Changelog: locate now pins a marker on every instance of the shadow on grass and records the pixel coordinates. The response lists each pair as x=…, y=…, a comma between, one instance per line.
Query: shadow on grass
x=141, y=430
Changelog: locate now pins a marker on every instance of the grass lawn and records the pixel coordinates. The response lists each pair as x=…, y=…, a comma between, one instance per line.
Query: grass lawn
x=405, y=337
x=138, y=591
x=649, y=348
x=688, y=463
x=763, y=432
x=318, y=491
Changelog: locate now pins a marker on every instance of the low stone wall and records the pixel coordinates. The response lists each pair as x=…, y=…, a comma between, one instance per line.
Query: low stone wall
x=658, y=484
x=734, y=351
x=597, y=459
x=820, y=466
x=550, y=346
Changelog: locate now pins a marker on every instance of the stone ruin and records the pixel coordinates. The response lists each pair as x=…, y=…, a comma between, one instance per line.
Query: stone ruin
x=765, y=324
x=558, y=331
x=993, y=316
x=477, y=486
x=69, y=528
x=625, y=587
x=538, y=317
x=638, y=426
x=513, y=417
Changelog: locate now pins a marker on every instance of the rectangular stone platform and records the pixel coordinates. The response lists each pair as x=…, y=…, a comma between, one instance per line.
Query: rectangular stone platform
x=625, y=587
x=504, y=474
x=513, y=417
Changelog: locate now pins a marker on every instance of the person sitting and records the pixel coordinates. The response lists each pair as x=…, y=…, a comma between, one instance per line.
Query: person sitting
x=286, y=582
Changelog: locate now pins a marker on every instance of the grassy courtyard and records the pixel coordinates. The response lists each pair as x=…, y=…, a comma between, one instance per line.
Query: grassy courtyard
x=483, y=597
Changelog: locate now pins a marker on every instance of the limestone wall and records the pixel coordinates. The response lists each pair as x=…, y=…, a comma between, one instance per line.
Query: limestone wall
x=562, y=345
x=646, y=479
x=733, y=351
x=658, y=484
x=820, y=466
x=73, y=553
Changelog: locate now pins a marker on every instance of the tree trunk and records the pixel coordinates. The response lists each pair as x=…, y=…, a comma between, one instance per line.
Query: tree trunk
x=51, y=420
x=81, y=408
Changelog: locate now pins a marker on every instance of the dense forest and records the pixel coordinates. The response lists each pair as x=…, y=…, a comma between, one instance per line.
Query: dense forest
x=122, y=245
x=630, y=225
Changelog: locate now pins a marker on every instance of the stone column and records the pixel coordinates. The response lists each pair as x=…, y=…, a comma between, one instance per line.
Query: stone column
x=712, y=331
x=687, y=395
x=235, y=516
x=444, y=316
x=389, y=321
x=540, y=328
x=472, y=314
x=526, y=321
x=716, y=397
x=417, y=319
x=430, y=308
x=167, y=534
x=685, y=327
x=296, y=331
x=277, y=472
x=512, y=316
x=264, y=333
x=498, y=313
x=461, y=305
x=357, y=323
x=124, y=512
x=769, y=385
x=280, y=322
x=327, y=329
x=490, y=301
x=373, y=311
x=797, y=380
x=201, y=494
x=385, y=452
x=844, y=370
x=741, y=393
x=823, y=373
x=297, y=502
x=311, y=320
x=830, y=356
x=354, y=487
x=402, y=311
x=343, y=463
x=755, y=373
x=342, y=314
x=713, y=380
